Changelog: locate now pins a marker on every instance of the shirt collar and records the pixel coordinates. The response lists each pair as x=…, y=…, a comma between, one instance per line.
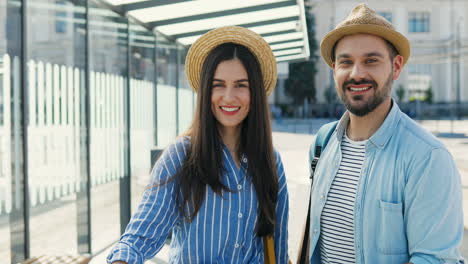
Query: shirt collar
x=382, y=135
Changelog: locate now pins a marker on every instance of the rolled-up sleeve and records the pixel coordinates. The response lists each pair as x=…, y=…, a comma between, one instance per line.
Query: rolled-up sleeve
x=156, y=215
x=282, y=214
x=433, y=210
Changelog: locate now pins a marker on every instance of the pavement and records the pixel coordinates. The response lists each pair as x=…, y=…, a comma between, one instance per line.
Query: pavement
x=292, y=139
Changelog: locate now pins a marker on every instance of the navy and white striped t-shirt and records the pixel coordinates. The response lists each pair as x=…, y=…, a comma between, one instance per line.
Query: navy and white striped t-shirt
x=223, y=231
x=337, y=233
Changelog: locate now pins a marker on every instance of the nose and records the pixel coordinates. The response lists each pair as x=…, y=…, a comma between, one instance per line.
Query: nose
x=357, y=72
x=229, y=94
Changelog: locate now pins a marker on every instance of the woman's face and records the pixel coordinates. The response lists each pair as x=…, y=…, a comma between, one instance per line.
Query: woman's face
x=230, y=96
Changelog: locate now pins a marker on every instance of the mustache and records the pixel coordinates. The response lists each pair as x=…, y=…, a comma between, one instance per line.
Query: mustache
x=363, y=81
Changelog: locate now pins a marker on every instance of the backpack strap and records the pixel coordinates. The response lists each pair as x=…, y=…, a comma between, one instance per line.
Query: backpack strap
x=321, y=141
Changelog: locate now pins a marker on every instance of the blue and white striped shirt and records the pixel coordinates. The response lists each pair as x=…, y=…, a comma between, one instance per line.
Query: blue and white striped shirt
x=223, y=231
x=337, y=236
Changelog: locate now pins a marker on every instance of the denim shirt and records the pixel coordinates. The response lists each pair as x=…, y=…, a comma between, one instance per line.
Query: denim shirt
x=408, y=205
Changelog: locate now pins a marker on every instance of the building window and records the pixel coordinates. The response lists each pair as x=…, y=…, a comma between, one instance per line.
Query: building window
x=386, y=15
x=60, y=17
x=419, y=81
x=419, y=22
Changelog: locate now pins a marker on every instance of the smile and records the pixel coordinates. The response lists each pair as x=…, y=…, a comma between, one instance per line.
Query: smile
x=355, y=89
x=229, y=109
x=359, y=88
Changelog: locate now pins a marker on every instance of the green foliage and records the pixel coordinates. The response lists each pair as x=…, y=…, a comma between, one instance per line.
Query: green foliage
x=330, y=95
x=429, y=96
x=300, y=84
x=286, y=110
x=400, y=92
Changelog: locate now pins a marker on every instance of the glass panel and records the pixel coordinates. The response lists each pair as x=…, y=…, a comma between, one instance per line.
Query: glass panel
x=191, y=8
x=166, y=64
x=56, y=48
x=386, y=15
x=142, y=108
x=419, y=22
x=185, y=111
x=427, y=24
x=10, y=140
x=419, y=81
x=108, y=84
x=229, y=19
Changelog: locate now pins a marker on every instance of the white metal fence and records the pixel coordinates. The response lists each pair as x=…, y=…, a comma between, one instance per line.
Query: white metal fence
x=56, y=103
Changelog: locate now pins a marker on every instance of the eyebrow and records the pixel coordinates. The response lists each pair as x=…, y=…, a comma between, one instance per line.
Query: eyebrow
x=241, y=80
x=374, y=54
x=346, y=56
x=370, y=54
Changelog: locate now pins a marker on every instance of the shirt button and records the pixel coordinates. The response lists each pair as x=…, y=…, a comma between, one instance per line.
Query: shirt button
x=239, y=187
x=322, y=197
x=236, y=245
x=315, y=231
x=240, y=215
x=244, y=160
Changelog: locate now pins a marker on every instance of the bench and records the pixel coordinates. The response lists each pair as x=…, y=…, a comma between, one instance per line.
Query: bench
x=67, y=259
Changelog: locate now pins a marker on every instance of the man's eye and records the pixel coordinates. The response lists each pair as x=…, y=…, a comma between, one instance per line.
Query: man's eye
x=346, y=62
x=371, y=60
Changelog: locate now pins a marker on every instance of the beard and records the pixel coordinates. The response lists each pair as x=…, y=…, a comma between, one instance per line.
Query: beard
x=372, y=103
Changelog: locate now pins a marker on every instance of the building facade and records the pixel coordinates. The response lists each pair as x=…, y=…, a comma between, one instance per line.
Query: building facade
x=438, y=33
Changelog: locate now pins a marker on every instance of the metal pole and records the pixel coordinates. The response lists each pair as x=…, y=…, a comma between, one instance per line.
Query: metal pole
x=458, y=62
x=88, y=129
x=177, y=88
x=155, y=89
x=125, y=182
x=20, y=238
x=331, y=103
x=83, y=197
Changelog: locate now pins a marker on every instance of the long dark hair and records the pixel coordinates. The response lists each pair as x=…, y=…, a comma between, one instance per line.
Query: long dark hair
x=203, y=164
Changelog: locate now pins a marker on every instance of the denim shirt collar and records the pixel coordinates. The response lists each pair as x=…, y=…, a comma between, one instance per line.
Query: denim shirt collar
x=382, y=135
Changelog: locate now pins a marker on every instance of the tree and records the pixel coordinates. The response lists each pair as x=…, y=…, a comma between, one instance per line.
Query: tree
x=300, y=83
x=330, y=95
x=429, y=95
x=400, y=92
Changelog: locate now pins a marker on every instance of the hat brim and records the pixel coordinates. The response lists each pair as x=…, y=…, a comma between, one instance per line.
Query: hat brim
x=399, y=41
x=232, y=34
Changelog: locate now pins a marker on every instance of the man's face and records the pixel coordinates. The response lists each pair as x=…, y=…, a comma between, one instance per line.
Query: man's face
x=364, y=72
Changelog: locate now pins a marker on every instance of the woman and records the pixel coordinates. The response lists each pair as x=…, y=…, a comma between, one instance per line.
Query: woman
x=221, y=188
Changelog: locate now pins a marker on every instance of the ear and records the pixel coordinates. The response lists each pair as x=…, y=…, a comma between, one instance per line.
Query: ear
x=397, y=66
x=333, y=68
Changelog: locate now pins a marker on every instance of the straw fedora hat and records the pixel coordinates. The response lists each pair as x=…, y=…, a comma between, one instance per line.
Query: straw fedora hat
x=362, y=19
x=231, y=34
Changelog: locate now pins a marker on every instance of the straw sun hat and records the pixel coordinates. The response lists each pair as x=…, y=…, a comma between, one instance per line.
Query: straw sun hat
x=231, y=34
x=362, y=19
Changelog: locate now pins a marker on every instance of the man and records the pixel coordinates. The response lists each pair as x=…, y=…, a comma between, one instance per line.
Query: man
x=385, y=190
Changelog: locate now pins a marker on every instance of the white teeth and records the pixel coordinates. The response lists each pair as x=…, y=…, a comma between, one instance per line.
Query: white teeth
x=354, y=89
x=230, y=109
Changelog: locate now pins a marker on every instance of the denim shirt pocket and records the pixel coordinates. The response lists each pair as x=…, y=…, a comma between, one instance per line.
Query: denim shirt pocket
x=391, y=238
